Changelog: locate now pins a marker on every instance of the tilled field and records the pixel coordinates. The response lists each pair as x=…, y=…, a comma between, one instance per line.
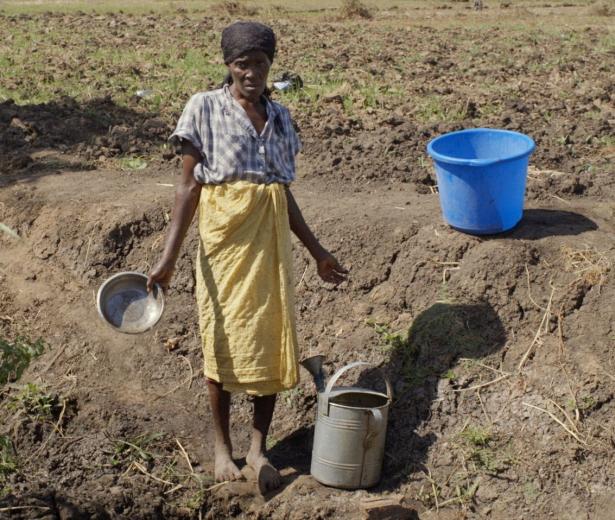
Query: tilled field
x=500, y=349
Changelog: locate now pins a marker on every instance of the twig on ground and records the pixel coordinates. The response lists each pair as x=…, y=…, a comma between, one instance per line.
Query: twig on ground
x=142, y=469
x=58, y=425
x=561, y=200
x=476, y=387
x=55, y=429
x=529, y=290
x=560, y=337
x=188, y=381
x=560, y=332
x=465, y=425
x=543, y=323
x=572, y=424
x=576, y=437
x=475, y=362
x=216, y=486
x=303, y=277
x=451, y=501
x=185, y=455
x=174, y=489
x=433, y=488
x=610, y=376
x=55, y=358
x=87, y=251
x=21, y=508
x=482, y=405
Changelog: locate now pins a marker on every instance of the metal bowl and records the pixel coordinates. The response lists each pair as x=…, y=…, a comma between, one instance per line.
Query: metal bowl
x=124, y=303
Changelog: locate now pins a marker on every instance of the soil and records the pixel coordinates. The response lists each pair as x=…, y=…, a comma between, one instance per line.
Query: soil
x=499, y=348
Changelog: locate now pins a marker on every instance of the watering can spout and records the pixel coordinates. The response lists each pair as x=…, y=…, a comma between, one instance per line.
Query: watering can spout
x=314, y=366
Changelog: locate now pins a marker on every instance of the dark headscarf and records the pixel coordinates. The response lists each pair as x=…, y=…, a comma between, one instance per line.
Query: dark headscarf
x=241, y=37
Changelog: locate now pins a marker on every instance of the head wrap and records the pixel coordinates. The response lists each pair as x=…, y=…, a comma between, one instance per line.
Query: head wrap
x=241, y=37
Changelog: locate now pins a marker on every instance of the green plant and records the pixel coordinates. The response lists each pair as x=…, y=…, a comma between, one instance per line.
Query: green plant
x=271, y=442
x=476, y=435
x=607, y=141
x=436, y=107
x=16, y=356
x=481, y=451
x=292, y=396
x=531, y=492
x=136, y=449
x=485, y=459
x=133, y=163
x=450, y=375
x=584, y=404
x=34, y=401
x=389, y=340
x=199, y=486
x=8, y=463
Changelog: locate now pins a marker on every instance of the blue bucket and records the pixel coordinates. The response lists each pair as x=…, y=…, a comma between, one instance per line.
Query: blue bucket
x=481, y=178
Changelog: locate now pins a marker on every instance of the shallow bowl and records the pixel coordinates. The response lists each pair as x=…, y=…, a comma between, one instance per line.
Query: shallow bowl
x=124, y=303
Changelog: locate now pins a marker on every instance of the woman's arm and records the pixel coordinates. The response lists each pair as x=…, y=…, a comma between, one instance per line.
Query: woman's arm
x=328, y=267
x=187, y=197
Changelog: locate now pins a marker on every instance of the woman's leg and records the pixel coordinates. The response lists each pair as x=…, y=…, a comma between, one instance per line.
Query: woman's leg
x=220, y=401
x=268, y=476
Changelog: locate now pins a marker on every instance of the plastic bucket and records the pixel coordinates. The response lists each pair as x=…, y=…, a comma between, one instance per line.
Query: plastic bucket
x=481, y=178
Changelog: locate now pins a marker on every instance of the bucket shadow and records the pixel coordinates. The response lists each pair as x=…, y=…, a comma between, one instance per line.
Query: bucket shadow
x=542, y=223
x=438, y=337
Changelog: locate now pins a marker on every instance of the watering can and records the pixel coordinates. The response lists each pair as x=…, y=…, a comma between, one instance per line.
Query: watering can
x=350, y=429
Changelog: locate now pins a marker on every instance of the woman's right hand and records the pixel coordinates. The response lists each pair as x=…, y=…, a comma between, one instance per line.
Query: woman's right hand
x=161, y=274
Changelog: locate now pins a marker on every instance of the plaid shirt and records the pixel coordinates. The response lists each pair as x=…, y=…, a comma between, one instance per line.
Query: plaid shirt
x=231, y=148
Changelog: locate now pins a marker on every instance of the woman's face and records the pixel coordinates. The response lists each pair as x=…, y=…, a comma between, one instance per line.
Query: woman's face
x=249, y=73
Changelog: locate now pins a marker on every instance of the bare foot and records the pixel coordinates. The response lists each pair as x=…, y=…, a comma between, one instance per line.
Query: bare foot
x=268, y=477
x=224, y=467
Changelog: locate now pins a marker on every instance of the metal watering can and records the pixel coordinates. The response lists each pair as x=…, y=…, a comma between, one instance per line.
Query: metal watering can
x=350, y=430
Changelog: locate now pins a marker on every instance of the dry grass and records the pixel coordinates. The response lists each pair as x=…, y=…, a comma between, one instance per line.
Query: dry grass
x=602, y=9
x=354, y=9
x=236, y=8
x=588, y=264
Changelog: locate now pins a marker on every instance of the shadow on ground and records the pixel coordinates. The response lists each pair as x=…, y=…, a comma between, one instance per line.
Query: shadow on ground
x=541, y=223
x=437, y=339
x=41, y=138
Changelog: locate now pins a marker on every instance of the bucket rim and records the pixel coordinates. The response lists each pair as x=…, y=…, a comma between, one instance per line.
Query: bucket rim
x=531, y=146
x=348, y=390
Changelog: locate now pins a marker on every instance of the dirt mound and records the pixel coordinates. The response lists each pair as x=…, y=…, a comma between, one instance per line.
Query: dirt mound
x=75, y=136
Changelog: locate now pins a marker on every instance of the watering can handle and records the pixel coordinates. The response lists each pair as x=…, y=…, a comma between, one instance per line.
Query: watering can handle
x=376, y=427
x=350, y=366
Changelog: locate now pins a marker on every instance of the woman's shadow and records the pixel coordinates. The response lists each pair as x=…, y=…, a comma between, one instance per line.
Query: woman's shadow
x=438, y=337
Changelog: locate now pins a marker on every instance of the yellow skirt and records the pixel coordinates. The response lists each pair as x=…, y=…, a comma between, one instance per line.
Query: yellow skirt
x=245, y=290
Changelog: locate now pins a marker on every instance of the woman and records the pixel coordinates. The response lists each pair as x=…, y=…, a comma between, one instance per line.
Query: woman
x=239, y=152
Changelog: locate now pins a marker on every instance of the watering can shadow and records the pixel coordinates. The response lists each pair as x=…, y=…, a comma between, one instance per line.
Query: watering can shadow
x=350, y=429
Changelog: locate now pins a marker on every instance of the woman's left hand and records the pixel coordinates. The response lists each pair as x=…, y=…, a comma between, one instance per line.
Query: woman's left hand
x=330, y=270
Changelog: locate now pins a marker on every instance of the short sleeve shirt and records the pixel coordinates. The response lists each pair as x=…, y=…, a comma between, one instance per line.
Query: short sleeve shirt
x=231, y=148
